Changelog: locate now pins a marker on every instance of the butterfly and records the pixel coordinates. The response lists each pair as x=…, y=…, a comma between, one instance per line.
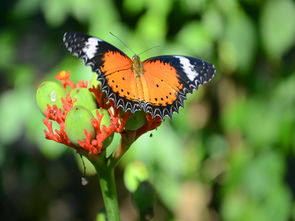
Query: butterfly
x=158, y=85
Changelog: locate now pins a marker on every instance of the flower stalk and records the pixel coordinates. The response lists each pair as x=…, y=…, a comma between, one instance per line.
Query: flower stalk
x=106, y=177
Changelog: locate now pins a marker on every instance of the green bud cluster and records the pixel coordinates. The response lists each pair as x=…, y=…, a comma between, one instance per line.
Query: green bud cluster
x=83, y=111
x=79, y=117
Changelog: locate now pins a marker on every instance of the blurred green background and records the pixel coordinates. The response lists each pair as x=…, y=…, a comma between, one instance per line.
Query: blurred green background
x=228, y=155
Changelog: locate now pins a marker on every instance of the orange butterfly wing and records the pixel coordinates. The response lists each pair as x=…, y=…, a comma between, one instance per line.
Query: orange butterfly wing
x=120, y=79
x=159, y=89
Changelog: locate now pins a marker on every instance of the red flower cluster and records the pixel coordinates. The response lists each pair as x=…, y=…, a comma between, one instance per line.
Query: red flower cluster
x=91, y=144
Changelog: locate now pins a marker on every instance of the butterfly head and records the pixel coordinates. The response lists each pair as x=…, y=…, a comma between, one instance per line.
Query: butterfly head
x=137, y=66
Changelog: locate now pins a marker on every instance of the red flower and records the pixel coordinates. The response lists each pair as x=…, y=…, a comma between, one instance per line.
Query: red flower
x=90, y=144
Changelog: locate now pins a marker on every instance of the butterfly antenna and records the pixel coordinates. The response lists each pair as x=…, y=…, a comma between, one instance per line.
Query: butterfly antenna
x=149, y=49
x=122, y=42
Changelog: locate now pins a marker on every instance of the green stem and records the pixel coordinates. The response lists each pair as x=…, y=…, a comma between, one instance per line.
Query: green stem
x=126, y=141
x=105, y=170
x=107, y=183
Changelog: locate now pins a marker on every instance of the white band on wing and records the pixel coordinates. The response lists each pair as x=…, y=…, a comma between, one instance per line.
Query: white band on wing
x=187, y=67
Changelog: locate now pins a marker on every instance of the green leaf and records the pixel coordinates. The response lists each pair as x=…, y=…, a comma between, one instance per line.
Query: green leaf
x=26, y=8
x=7, y=52
x=164, y=153
x=135, y=173
x=258, y=193
x=194, y=6
x=213, y=22
x=55, y=11
x=152, y=27
x=265, y=168
x=277, y=26
x=15, y=106
x=237, y=48
x=196, y=38
x=89, y=168
x=134, y=7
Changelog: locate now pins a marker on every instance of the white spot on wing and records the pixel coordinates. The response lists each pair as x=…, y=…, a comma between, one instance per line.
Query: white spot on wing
x=187, y=67
x=90, y=47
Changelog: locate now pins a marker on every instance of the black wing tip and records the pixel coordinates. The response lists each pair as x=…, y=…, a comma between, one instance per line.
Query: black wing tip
x=207, y=74
x=68, y=34
x=68, y=37
x=72, y=35
x=210, y=73
x=65, y=36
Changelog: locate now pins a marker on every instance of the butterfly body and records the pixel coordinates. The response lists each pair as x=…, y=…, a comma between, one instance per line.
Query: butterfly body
x=137, y=66
x=157, y=85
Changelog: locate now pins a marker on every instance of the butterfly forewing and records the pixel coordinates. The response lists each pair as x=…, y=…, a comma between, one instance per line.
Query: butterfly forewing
x=111, y=64
x=190, y=71
x=170, y=78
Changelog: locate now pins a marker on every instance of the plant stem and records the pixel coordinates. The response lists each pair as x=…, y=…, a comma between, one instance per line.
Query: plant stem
x=105, y=170
x=126, y=141
x=107, y=183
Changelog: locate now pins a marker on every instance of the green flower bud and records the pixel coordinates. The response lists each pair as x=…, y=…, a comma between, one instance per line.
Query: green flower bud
x=84, y=98
x=50, y=93
x=136, y=121
x=106, y=121
x=78, y=120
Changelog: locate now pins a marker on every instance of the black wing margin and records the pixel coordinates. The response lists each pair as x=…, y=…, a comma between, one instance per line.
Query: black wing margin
x=87, y=48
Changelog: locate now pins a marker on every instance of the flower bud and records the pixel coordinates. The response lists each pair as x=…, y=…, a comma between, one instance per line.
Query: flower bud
x=105, y=121
x=78, y=120
x=84, y=98
x=50, y=93
x=136, y=121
